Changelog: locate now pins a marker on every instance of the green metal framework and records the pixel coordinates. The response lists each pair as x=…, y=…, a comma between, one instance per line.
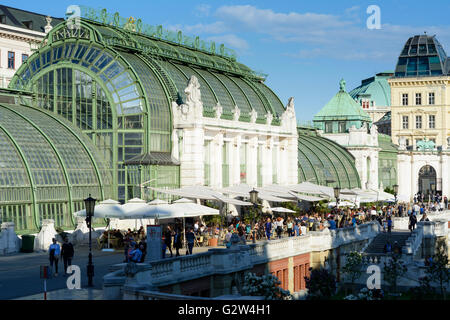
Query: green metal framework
x=46, y=168
x=321, y=159
x=118, y=85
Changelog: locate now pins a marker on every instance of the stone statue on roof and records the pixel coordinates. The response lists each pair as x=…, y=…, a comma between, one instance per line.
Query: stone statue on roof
x=192, y=91
x=425, y=145
x=342, y=85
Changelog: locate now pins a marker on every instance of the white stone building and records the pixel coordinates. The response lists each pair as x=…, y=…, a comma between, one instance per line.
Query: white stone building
x=21, y=32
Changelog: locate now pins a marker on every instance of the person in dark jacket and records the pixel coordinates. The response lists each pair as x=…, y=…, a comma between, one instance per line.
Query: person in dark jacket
x=190, y=238
x=143, y=248
x=67, y=253
x=412, y=222
x=168, y=241
x=178, y=244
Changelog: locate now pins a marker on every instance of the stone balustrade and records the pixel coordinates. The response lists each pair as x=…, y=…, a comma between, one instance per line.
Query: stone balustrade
x=425, y=230
x=402, y=223
x=237, y=258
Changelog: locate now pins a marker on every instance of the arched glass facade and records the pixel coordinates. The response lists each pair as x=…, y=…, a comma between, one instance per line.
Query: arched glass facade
x=321, y=161
x=118, y=87
x=47, y=168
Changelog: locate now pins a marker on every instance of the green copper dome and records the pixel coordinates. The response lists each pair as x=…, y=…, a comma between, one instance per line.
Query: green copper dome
x=340, y=113
x=375, y=89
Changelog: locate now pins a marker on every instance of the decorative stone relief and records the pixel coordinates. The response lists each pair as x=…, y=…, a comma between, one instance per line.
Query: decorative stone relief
x=236, y=113
x=44, y=238
x=269, y=118
x=253, y=116
x=288, y=117
x=218, y=110
x=48, y=27
x=192, y=110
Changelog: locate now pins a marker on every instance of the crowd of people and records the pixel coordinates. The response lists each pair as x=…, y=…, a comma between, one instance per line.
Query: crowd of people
x=264, y=228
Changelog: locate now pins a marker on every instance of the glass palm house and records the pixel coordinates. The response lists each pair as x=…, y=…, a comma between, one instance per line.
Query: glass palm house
x=96, y=98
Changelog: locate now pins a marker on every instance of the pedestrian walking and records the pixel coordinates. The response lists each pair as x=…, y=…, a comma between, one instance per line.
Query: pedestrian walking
x=412, y=222
x=279, y=227
x=190, y=238
x=167, y=242
x=389, y=224
x=67, y=253
x=268, y=228
x=178, y=244
x=143, y=248
x=54, y=252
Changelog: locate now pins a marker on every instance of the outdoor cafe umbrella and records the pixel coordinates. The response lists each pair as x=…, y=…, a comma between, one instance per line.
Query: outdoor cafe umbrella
x=192, y=209
x=132, y=205
x=105, y=209
x=281, y=209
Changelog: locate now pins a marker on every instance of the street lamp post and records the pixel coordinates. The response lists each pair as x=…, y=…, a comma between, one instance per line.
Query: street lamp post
x=395, y=192
x=90, y=205
x=337, y=194
x=254, y=200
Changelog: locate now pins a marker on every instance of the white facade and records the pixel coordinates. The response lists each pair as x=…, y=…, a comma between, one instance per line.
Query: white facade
x=220, y=153
x=364, y=147
x=19, y=43
x=409, y=165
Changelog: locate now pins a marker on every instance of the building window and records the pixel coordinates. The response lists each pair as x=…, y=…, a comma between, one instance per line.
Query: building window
x=341, y=126
x=431, y=121
x=405, y=99
x=28, y=24
x=405, y=122
x=431, y=98
x=418, y=122
x=328, y=127
x=3, y=19
x=24, y=57
x=11, y=60
x=418, y=99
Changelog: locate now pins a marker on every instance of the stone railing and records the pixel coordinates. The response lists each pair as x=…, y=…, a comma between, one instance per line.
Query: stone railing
x=402, y=223
x=425, y=229
x=237, y=258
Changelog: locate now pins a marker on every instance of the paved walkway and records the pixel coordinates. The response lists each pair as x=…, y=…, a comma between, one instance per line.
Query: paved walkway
x=66, y=294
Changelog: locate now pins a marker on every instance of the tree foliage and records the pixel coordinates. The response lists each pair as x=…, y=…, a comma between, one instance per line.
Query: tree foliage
x=438, y=269
x=353, y=266
x=320, y=284
x=266, y=285
x=394, y=269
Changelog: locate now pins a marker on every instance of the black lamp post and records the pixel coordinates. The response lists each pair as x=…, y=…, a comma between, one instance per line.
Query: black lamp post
x=337, y=194
x=395, y=192
x=254, y=200
x=433, y=192
x=90, y=205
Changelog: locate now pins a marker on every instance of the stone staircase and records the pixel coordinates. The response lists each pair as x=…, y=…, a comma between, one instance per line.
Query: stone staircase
x=377, y=244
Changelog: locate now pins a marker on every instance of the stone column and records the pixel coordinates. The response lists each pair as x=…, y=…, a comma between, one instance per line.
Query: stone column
x=191, y=168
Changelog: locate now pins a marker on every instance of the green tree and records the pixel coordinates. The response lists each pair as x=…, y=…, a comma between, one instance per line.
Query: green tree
x=266, y=285
x=394, y=269
x=438, y=269
x=353, y=266
x=320, y=284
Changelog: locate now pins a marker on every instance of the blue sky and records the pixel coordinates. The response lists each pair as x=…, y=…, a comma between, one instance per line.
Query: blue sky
x=305, y=47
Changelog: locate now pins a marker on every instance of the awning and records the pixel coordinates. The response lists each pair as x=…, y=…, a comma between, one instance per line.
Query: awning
x=153, y=158
x=305, y=197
